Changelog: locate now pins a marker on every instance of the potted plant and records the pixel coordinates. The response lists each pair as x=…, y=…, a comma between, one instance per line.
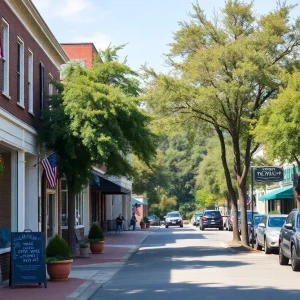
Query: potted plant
x=142, y=224
x=147, y=222
x=84, y=249
x=96, y=239
x=58, y=259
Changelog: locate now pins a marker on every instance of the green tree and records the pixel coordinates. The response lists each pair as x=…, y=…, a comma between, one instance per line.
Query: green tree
x=95, y=119
x=224, y=71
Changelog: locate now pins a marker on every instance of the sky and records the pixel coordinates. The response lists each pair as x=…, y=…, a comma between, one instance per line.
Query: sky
x=146, y=26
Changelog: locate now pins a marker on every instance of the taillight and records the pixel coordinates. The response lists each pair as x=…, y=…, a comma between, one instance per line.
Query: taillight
x=221, y=218
x=204, y=218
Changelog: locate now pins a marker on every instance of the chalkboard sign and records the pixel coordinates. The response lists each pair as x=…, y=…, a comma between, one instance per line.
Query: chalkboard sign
x=27, y=258
x=78, y=235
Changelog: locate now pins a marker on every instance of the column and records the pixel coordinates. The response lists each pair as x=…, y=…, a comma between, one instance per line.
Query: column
x=21, y=190
x=125, y=212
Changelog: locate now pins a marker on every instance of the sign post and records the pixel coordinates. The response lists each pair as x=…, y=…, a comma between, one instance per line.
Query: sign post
x=263, y=174
x=27, y=258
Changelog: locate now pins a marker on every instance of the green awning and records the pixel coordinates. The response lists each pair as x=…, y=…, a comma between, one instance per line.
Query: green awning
x=283, y=193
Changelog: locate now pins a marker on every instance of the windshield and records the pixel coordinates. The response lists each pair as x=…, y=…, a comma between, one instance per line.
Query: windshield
x=151, y=217
x=173, y=215
x=276, y=221
x=199, y=215
x=249, y=215
x=213, y=213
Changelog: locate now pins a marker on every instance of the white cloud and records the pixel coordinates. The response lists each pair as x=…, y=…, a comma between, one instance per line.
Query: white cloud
x=100, y=40
x=68, y=10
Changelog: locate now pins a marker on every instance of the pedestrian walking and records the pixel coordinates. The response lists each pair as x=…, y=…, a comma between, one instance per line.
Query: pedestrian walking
x=119, y=221
x=133, y=221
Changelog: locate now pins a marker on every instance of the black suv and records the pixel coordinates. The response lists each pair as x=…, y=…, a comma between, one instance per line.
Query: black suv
x=289, y=241
x=211, y=219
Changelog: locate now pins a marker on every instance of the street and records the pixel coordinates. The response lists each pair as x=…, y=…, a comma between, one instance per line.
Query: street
x=184, y=263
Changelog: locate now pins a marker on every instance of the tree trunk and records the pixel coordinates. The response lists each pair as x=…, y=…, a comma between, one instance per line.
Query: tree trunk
x=244, y=221
x=71, y=217
x=234, y=208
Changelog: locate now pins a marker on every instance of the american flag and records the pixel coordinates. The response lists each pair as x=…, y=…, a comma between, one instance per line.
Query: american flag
x=135, y=209
x=50, y=166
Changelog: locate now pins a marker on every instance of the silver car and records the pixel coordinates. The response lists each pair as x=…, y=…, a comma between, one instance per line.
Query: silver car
x=267, y=234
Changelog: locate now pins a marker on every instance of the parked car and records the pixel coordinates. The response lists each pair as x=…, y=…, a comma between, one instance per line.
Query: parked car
x=173, y=219
x=211, y=219
x=196, y=218
x=154, y=220
x=229, y=221
x=289, y=241
x=267, y=233
x=256, y=221
x=249, y=217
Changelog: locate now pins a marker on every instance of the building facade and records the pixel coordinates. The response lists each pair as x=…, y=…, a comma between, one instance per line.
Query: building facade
x=31, y=58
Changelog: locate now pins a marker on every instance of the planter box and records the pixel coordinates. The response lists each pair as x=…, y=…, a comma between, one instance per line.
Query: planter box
x=143, y=225
x=84, y=252
x=59, y=270
x=97, y=247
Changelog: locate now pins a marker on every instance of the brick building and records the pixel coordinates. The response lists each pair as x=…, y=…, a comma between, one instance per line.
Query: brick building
x=31, y=57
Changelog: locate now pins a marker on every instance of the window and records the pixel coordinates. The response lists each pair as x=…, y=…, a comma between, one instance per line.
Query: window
x=20, y=72
x=276, y=221
x=42, y=88
x=30, y=82
x=64, y=205
x=5, y=61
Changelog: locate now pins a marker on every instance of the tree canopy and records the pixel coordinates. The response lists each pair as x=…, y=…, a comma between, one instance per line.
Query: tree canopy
x=223, y=71
x=95, y=118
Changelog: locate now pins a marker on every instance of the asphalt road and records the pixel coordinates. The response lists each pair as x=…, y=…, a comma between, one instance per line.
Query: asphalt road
x=184, y=263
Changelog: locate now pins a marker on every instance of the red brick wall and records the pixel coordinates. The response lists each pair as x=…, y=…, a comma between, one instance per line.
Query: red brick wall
x=4, y=264
x=84, y=51
x=5, y=192
x=17, y=29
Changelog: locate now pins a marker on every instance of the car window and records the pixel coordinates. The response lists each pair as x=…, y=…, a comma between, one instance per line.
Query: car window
x=257, y=219
x=214, y=213
x=293, y=219
x=249, y=215
x=174, y=215
x=263, y=220
x=276, y=221
x=298, y=221
x=289, y=218
x=151, y=217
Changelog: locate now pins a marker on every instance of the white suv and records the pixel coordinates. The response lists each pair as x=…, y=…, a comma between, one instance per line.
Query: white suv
x=173, y=219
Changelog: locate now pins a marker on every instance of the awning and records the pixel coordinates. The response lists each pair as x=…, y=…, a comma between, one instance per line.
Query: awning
x=135, y=201
x=106, y=186
x=283, y=193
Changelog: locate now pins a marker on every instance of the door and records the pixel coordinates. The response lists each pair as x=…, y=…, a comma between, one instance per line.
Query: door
x=285, y=235
x=50, y=215
x=261, y=230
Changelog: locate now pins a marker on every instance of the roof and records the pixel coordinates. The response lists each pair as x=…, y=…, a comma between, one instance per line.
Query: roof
x=282, y=193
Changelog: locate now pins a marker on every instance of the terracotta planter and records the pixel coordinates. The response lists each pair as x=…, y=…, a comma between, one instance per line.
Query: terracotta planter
x=143, y=225
x=97, y=247
x=59, y=270
x=84, y=252
x=147, y=225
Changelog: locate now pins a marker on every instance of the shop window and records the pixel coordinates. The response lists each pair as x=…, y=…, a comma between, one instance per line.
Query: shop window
x=5, y=59
x=64, y=205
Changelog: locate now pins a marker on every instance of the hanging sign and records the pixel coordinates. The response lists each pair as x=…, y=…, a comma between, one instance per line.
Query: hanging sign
x=268, y=174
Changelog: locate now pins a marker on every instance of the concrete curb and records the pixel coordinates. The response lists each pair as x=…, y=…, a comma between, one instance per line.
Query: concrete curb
x=224, y=245
x=88, y=288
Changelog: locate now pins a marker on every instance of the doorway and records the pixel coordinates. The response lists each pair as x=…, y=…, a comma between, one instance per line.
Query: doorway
x=51, y=215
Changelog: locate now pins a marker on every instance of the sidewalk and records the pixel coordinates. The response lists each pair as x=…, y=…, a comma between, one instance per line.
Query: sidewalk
x=87, y=274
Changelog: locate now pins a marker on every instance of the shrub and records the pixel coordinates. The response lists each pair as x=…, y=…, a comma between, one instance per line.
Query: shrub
x=274, y=212
x=83, y=245
x=57, y=249
x=95, y=233
x=146, y=220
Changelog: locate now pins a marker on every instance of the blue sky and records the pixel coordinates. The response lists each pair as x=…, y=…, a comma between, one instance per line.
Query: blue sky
x=146, y=25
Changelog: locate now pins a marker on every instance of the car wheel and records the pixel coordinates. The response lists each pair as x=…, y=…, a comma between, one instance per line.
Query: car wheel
x=283, y=261
x=230, y=228
x=221, y=228
x=181, y=225
x=257, y=245
x=201, y=228
x=294, y=260
x=266, y=248
x=167, y=226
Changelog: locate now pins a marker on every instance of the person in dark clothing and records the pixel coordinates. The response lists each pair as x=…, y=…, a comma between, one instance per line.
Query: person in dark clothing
x=119, y=221
x=133, y=221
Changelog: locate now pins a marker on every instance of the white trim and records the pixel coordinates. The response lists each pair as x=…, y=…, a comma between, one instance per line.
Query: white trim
x=5, y=44
x=17, y=121
x=30, y=81
x=41, y=23
x=98, y=170
x=21, y=91
x=4, y=250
